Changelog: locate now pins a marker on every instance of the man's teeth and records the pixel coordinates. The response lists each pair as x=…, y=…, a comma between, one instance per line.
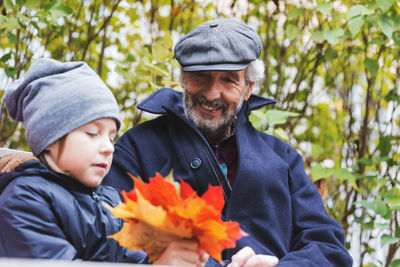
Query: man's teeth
x=210, y=108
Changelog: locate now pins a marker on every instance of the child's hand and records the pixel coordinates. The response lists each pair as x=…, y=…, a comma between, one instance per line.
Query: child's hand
x=183, y=253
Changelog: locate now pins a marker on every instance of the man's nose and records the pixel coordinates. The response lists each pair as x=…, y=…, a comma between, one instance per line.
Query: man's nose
x=213, y=92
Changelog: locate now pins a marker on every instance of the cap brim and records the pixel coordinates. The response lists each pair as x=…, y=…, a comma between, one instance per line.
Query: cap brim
x=221, y=67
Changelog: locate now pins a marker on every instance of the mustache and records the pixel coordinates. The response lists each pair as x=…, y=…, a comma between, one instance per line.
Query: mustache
x=200, y=99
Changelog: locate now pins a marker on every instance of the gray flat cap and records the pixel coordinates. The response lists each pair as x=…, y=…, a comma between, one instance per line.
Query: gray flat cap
x=55, y=98
x=222, y=44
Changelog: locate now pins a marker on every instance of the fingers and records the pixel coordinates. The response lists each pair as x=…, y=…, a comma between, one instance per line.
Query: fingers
x=241, y=257
x=203, y=257
x=262, y=261
x=185, y=244
x=183, y=253
x=247, y=258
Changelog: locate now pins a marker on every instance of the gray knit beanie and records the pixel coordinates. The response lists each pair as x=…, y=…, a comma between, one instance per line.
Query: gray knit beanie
x=55, y=98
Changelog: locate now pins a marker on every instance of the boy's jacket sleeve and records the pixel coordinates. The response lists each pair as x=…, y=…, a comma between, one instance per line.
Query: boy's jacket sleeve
x=29, y=219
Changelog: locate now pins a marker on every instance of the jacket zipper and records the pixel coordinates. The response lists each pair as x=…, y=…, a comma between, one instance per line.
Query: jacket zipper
x=221, y=183
x=109, y=225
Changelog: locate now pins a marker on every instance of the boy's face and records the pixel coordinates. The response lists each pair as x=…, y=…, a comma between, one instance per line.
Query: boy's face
x=86, y=153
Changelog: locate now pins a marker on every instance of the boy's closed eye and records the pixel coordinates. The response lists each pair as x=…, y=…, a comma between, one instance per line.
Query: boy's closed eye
x=95, y=129
x=93, y=134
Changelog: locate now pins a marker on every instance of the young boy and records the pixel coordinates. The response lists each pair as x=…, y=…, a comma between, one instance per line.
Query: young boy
x=52, y=206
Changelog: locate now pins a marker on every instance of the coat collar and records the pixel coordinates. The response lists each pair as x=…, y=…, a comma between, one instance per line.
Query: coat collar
x=166, y=99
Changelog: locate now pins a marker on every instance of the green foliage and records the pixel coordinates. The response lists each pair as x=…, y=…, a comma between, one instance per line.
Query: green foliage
x=372, y=66
x=270, y=118
x=387, y=239
x=386, y=24
x=351, y=55
x=333, y=69
x=395, y=263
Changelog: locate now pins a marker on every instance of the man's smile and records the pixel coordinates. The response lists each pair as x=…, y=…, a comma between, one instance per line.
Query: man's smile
x=208, y=108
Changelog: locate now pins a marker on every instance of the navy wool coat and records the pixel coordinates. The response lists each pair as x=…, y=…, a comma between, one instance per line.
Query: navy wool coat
x=273, y=199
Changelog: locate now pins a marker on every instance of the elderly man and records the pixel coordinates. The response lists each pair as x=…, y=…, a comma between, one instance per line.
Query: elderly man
x=205, y=136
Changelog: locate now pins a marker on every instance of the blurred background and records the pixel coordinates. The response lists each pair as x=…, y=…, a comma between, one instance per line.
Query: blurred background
x=332, y=66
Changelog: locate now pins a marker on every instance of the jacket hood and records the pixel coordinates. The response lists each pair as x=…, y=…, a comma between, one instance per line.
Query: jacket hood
x=166, y=99
x=9, y=162
x=12, y=166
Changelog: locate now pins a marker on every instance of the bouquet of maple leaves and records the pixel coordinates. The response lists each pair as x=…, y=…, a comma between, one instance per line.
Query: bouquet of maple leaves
x=161, y=211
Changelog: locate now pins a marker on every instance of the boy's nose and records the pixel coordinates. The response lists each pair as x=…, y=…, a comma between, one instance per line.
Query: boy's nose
x=107, y=147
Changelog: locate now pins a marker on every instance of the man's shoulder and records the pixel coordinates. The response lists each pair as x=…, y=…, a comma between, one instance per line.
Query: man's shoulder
x=156, y=125
x=280, y=147
x=161, y=101
x=155, y=132
x=272, y=140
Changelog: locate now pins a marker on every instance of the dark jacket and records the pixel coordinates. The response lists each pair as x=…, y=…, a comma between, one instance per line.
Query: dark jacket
x=44, y=214
x=273, y=199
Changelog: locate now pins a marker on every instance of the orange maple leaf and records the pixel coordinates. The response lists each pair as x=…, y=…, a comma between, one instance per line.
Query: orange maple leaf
x=161, y=211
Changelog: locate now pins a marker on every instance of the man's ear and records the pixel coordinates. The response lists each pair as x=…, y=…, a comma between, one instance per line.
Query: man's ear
x=182, y=79
x=249, y=90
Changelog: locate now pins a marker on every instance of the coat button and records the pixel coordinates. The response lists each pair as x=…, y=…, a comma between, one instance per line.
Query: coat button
x=196, y=162
x=95, y=196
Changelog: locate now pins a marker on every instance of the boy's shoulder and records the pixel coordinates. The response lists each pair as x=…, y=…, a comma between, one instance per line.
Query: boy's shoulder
x=29, y=190
x=30, y=180
x=33, y=180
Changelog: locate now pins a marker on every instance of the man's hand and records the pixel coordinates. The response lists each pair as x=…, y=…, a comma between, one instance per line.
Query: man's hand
x=247, y=258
